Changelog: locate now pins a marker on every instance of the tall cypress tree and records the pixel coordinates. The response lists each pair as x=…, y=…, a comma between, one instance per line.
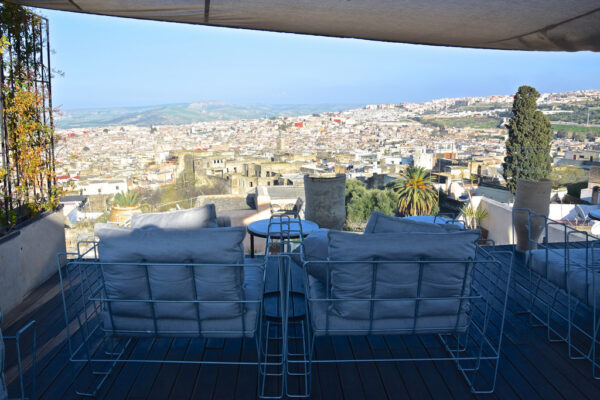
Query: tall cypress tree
x=529, y=138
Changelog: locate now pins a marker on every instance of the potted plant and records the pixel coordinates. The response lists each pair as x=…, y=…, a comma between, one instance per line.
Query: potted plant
x=527, y=165
x=125, y=204
x=473, y=217
x=31, y=219
x=534, y=196
x=326, y=200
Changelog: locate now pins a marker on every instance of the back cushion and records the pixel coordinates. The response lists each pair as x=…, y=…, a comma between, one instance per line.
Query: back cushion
x=198, y=217
x=173, y=282
x=400, y=280
x=382, y=223
x=315, y=249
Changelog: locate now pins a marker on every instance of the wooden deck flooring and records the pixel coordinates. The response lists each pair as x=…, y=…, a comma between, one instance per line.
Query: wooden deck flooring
x=530, y=368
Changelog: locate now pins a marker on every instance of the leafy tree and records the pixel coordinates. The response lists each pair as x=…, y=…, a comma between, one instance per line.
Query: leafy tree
x=416, y=195
x=529, y=138
x=361, y=202
x=565, y=175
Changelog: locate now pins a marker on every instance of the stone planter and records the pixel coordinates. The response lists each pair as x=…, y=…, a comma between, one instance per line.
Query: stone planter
x=534, y=196
x=326, y=200
x=120, y=215
x=28, y=256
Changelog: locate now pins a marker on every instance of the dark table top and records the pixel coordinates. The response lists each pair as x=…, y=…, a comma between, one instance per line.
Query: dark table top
x=261, y=228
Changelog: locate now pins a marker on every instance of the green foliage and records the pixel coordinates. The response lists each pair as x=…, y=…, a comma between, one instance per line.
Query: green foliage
x=361, y=202
x=565, y=175
x=577, y=132
x=473, y=216
x=463, y=122
x=128, y=199
x=28, y=170
x=416, y=195
x=577, y=112
x=529, y=138
x=574, y=189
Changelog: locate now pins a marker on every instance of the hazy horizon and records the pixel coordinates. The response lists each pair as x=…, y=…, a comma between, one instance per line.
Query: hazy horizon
x=116, y=62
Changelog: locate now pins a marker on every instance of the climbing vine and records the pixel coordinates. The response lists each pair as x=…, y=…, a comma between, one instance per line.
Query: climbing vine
x=27, y=170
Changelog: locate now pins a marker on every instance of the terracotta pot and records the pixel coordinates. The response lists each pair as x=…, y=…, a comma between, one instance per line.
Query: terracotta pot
x=534, y=196
x=326, y=200
x=120, y=215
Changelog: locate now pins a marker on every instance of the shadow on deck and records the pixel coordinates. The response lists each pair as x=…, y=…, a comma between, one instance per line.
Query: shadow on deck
x=530, y=366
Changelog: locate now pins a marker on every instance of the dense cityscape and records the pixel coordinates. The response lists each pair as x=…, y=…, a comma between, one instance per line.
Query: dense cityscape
x=454, y=137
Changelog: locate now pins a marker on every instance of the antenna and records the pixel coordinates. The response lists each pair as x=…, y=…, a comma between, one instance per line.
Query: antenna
x=588, y=118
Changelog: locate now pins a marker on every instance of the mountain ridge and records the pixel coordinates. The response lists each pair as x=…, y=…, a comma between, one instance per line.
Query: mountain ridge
x=186, y=113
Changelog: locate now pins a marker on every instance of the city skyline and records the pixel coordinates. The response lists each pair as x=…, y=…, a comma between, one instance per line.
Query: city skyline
x=144, y=63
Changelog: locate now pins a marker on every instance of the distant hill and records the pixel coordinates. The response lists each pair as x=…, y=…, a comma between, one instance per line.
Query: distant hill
x=186, y=113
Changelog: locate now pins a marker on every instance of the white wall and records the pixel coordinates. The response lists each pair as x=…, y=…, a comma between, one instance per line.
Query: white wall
x=28, y=259
x=499, y=221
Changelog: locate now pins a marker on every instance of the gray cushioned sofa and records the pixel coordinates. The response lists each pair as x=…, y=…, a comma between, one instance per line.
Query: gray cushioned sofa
x=176, y=274
x=387, y=296
x=574, y=270
x=182, y=282
x=564, y=286
x=374, y=283
x=405, y=277
x=207, y=290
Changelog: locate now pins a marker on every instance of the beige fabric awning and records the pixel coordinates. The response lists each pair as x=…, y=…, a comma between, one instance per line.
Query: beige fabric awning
x=554, y=25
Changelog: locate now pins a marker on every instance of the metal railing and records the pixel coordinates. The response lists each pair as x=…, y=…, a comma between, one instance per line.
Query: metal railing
x=558, y=267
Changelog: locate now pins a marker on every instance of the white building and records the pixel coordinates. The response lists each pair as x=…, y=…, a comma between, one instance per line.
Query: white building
x=103, y=186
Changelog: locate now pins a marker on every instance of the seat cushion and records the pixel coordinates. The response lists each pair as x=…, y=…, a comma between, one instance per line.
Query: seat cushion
x=198, y=217
x=212, y=282
x=316, y=249
x=435, y=283
x=325, y=322
x=382, y=223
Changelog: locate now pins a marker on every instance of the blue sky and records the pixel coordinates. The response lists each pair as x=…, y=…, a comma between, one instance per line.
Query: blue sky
x=122, y=62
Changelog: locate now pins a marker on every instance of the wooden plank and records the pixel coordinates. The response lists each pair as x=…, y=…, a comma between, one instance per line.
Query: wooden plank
x=368, y=372
x=207, y=377
x=431, y=347
x=119, y=387
x=168, y=372
x=392, y=381
x=247, y=374
x=184, y=384
x=228, y=374
x=349, y=375
x=326, y=376
x=142, y=385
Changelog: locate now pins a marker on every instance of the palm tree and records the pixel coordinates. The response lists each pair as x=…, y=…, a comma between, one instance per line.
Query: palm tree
x=129, y=199
x=416, y=194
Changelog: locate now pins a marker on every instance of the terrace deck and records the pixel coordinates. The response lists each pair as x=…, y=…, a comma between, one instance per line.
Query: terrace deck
x=530, y=367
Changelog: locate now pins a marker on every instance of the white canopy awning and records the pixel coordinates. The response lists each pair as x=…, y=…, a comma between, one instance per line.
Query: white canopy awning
x=555, y=25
